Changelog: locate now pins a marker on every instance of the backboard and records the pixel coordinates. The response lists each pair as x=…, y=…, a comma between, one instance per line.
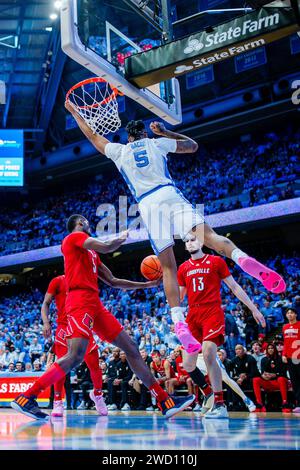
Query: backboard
x=100, y=34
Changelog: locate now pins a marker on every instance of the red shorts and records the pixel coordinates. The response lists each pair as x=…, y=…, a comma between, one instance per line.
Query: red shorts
x=207, y=324
x=60, y=347
x=86, y=314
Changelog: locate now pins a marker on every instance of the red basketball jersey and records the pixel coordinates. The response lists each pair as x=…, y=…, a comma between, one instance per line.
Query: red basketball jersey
x=202, y=279
x=161, y=368
x=81, y=265
x=57, y=288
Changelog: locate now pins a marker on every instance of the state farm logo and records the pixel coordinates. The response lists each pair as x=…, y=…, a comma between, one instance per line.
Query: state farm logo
x=194, y=45
x=183, y=68
x=232, y=51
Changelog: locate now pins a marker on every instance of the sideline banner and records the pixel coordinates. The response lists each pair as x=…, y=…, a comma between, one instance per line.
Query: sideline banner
x=222, y=42
x=13, y=384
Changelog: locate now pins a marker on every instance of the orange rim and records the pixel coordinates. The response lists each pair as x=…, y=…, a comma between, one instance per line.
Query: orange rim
x=112, y=96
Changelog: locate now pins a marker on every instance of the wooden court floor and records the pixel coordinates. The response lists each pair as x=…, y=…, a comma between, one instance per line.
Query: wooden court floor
x=85, y=430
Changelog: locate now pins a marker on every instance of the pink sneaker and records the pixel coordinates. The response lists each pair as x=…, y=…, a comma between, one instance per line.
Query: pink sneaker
x=296, y=410
x=58, y=409
x=99, y=403
x=191, y=345
x=269, y=278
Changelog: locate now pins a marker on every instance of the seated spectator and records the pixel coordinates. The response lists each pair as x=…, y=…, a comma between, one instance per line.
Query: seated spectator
x=161, y=368
x=85, y=384
x=112, y=375
x=231, y=334
x=273, y=378
x=11, y=367
x=35, y=350
x=140, y=390
x=124, y=374
x=28, y=367
x=20, y=367
x=257, y=354
x=244, y=369
x=182, y=377
x=279, y=347
x=222, y=355
x=262, y=342
x=37, y=366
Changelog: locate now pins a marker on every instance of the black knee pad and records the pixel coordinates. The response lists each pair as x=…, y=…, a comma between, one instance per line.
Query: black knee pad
x=197, y=377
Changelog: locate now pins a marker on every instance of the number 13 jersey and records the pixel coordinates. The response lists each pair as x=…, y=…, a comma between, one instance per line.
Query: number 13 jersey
x=202, y=279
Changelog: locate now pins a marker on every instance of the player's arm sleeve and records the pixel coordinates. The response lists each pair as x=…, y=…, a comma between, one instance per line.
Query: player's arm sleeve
x=166, y=145
x=52, y=288
x=113, y=151
x=223, y=269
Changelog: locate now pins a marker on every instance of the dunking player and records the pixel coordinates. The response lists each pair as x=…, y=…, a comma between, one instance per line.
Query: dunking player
x=164, y=210
x=86, y=314
x=57, y=291
x=200, y=278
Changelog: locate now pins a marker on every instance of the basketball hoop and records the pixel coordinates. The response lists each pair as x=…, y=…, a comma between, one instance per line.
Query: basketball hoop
x=96, y=102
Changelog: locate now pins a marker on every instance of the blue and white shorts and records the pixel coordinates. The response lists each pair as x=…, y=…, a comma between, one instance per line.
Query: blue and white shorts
x=166, y=213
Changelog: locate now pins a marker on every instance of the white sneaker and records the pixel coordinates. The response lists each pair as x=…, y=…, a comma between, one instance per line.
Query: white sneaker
x=126, y=407
x=112, y=407
x=217, y=412
x=99, y=403
x=296, y=410
x=58, y=409
x=208, y=403
x=250, y=405
x=81, y=406
x=197, y=407
x=150, y=408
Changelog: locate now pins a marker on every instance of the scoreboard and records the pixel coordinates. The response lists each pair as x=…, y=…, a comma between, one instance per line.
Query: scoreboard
x=11, y=157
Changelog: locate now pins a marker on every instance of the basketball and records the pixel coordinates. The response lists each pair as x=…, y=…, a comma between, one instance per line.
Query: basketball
x=151, y=268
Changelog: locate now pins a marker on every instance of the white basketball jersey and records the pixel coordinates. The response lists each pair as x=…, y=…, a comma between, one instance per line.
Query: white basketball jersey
x=143, y=163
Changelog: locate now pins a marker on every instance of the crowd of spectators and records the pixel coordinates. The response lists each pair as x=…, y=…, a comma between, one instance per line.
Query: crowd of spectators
x=146, y=318
x=221, y=178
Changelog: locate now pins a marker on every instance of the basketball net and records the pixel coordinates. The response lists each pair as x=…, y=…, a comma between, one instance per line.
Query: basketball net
x=96, y=102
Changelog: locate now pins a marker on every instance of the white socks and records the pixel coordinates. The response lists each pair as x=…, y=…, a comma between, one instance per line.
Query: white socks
x=236, y=254
x=177, y=314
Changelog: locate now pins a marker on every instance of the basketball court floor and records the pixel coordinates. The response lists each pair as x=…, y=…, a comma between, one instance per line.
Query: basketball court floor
x=132, y=430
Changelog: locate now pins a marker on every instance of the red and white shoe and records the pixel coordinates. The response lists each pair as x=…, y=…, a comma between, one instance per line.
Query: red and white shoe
x=191, y=345
x=58, y=409
x=271, y=280
x=99, y=403
x=260, y=408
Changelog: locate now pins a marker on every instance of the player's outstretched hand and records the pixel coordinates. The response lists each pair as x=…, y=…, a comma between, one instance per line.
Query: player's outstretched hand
x=158, y=128
x=259, y=318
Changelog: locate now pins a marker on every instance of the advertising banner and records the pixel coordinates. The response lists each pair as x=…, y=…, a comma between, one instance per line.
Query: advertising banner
x=243, y=34
x=11, y=385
